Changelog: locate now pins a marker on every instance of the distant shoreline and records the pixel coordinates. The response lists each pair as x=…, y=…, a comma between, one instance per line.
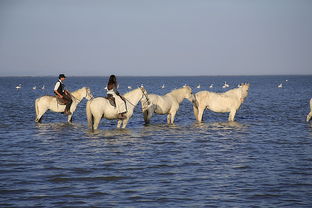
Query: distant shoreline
x=24, y=76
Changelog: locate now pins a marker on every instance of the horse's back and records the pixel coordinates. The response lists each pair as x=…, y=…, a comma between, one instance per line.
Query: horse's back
x=163, y=103
x=217, y=102
x=46, y=98
x=98, y=101
x=99, y=105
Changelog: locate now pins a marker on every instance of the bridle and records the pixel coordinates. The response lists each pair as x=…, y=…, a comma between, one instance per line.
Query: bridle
x=87, y=93
x=144, y=94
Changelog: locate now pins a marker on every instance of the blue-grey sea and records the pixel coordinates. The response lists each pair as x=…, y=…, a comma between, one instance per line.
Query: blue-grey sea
x=263, y=159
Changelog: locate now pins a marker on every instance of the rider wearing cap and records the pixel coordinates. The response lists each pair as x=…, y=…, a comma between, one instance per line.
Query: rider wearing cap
x=60, y=92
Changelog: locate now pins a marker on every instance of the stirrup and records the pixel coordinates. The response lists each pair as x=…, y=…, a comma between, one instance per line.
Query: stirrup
x=121, y=116
x=67, y=113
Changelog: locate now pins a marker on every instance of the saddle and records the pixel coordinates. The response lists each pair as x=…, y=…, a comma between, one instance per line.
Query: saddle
x=60, y=101
x=111, y=100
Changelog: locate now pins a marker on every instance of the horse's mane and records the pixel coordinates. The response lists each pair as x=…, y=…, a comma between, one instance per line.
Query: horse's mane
x=237, y=90
x=177, y=91
x=130, y=92
x=79, y=89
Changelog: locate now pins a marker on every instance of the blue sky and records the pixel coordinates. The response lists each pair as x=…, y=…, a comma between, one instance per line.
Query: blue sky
x=151, y=38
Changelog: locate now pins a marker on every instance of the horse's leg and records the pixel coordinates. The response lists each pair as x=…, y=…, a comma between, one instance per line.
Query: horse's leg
x=72, y=110
x=309, y=116
x=148, y=115
x=41, y=111
x=200, y=113
x=168, y=118
x=70, y=118
x=125, y=122
x=232, y=115
x=119, y=122
x=195, y=109
x=172, y=115
x=145, y=116
x=96, y=122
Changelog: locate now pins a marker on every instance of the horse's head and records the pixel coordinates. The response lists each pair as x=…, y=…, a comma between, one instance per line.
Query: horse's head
x=188, y=93
x=89, y=95
x=145, y=102
x=244, y=88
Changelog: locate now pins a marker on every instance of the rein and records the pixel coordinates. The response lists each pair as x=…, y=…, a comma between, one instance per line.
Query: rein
x=71, y=95
x=143, y=94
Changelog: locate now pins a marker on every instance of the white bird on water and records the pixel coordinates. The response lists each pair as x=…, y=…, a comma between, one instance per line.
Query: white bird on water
x=163, y=86
x=280, y=85
x=198, y=86
x=129, y=87
x=34, y=87
x=18, y=86
x=211, y=86
x=43, y=87
x=225, y=85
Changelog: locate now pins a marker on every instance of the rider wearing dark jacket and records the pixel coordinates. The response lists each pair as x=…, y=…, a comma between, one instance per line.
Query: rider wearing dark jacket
x=60, y=92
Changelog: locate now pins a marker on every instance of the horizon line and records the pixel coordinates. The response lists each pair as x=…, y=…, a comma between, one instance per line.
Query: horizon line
x=158, y=75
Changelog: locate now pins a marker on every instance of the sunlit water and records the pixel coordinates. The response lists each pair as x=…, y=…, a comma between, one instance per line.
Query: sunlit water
x=264, y=159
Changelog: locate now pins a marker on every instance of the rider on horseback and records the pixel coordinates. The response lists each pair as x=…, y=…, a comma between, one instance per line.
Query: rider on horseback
x=112, y=92
x=63, y=94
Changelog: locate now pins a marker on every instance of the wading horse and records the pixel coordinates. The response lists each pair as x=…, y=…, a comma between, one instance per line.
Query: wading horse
x=100, y=107
x=229, y=101
x=47, y=102
x=166, y=104
x=310, y=114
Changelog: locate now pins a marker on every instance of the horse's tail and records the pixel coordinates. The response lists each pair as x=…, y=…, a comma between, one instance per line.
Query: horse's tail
x=89, y=115
x=309, y=116
x=37, y=109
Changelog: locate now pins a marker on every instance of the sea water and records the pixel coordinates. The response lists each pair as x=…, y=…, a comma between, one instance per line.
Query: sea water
x=263, y=159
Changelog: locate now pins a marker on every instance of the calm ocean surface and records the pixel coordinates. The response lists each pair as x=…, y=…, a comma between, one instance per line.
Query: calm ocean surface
x=264, y=159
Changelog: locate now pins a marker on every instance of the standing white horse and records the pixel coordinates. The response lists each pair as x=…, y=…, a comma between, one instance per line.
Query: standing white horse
x=310, y=114
x=229, y=101
x=47, y=102
x=100, y=107
x=167, y=104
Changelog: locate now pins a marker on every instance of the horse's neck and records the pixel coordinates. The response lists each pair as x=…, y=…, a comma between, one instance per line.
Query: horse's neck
x=176, y=95
x=237, y=92
x=133, y=97
x=78, y=95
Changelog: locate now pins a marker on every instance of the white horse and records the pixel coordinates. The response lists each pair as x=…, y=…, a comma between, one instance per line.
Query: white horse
x=47, y=102
x=229, y=101
x=100, y=107
x=310, y=114
x=167, y=104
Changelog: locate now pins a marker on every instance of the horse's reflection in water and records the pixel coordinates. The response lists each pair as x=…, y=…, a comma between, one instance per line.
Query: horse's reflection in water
x=57, y=127
x=111, y=134
x=219, y=125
